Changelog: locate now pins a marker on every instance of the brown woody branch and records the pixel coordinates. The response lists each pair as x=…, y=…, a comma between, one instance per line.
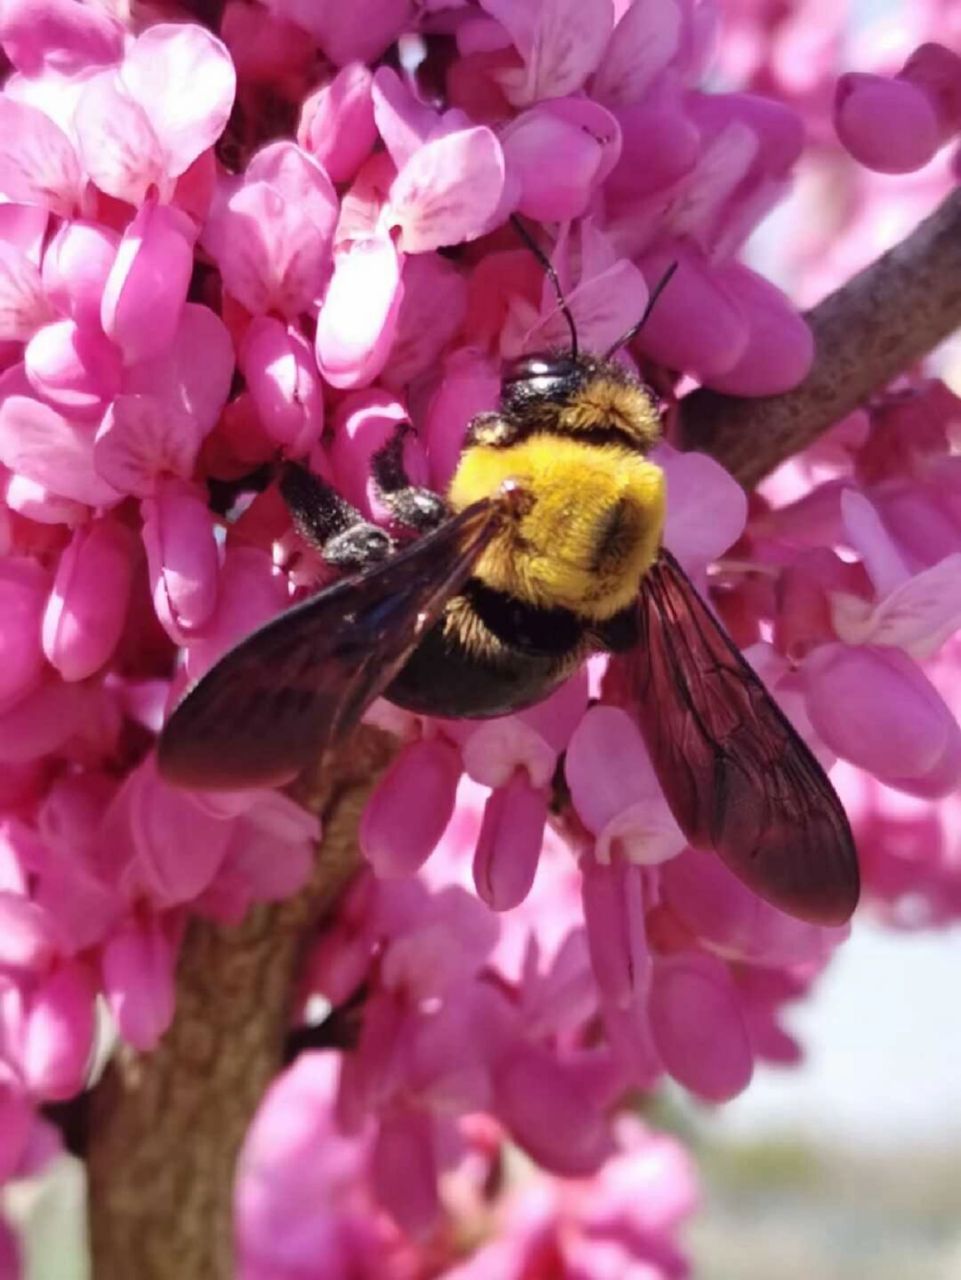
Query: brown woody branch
x=165, y=1128
x=872, y=328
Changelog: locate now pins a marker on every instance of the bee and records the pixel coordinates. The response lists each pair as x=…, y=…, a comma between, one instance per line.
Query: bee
x=546, y=548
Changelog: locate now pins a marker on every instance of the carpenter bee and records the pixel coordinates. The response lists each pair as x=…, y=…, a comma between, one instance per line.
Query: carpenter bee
x=546, y=548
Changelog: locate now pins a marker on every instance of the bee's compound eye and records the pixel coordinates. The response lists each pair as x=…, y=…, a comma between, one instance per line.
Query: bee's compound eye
x=546, y=368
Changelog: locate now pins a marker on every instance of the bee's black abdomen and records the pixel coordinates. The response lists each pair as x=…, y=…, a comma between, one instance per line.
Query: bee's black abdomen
x=500, y=656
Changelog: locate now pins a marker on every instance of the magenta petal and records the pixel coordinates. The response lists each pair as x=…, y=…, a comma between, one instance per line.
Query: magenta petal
x=698, y=1026
x=38, y=164
x=75, y=369
x=470, y=385
x=548, y=1113
x=647, y=37
x=183, y=78
x=137, y=966
x=780, y=344
x=410, y=807
x=607, y=767
x=509, y=843
x=614, y=916
x=17, y=1119
x=76, y=266
x=48, y=448
x=58, y=1033
x=147, y=286
x=359, y=31
x=140, y=439
x=403, y=121
x=876, y=708
x=889, y=125
x=23, y=587
x=448, y=191
x=23, y=305
x=337, y=122
x=182, y=557
x=355, y=329
x=278, y=364
x=405, y=1170
x=88, y=604
x=179, y=845
x=698, y=325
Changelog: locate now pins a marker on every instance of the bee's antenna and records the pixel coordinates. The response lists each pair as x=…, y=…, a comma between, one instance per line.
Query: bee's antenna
x=548, y=266
x=635, y=329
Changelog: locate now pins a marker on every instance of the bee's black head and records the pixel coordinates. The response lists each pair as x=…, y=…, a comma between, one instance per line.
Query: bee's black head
x=545, y=380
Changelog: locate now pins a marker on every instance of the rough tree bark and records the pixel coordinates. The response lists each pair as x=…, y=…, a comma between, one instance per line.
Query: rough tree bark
x=165, y=1129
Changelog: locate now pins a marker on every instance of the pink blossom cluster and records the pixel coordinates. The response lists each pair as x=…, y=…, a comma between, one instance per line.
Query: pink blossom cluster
x=281, y=239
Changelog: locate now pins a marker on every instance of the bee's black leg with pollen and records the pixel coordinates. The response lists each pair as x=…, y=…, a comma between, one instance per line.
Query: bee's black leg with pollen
x=410, y=504
x=328, y=523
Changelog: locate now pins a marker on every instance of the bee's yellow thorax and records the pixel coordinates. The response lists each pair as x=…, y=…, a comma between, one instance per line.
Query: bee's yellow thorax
x=592, y=530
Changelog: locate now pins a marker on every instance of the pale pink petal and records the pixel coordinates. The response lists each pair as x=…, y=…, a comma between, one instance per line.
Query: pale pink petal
x=23, y=304
x=88, y=604
x=38, y=164
x=75, y=369
x=403, y=121
x=119, y=148
x=183, y=78
x=607, y=767
x=276, y=360
x=58, y=35
x=194, y=373
x=448, y=191
x=29, y=937
x=50, y=449
x=365, y=421
x=140, y=439
x=146, y=290
x=58, y=1033
x=877, y=709
x=76, y=266
x=494, y=749
x=137, y=967
x=23, y=586
x=645, y=40
x=24, y=226
x=917, y=616
x=358, y=318
x=879, y=552
x=182, y=557
x=560, y=41
x=423, y=328
x=706, y=507
x=698, y=1026
x=559, y=153
x=337, y=122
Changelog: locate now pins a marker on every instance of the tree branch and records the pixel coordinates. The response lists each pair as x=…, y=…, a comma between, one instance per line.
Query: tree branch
x=166, y=1127
x=866, y=332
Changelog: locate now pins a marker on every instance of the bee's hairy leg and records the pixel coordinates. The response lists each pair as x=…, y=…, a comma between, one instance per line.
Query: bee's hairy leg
x=412, y=505
x=329, y=524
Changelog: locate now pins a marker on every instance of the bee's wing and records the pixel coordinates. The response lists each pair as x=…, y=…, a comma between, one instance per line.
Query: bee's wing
x=735, y=773
x=276, y=701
